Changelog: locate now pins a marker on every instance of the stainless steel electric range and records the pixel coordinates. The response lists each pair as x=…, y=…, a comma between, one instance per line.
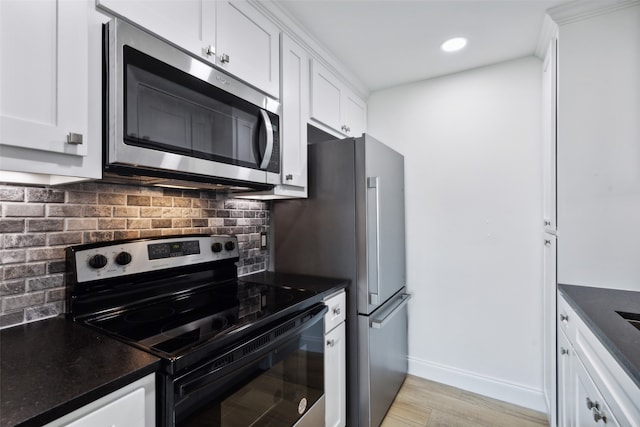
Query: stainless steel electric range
x=234, y=353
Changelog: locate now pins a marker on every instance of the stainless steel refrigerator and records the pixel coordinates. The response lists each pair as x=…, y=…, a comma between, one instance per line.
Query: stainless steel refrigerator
x=352, y=226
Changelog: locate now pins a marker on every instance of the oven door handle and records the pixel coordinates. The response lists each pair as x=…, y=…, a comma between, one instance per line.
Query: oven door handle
x=309, y=318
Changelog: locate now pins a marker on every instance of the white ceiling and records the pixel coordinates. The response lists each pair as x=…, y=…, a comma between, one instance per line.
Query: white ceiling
x=386, y=43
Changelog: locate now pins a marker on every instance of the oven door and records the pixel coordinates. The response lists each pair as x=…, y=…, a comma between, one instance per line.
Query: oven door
x=276, y=378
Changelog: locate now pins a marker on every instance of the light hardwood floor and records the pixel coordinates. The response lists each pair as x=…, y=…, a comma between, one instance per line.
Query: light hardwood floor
x=426, y=403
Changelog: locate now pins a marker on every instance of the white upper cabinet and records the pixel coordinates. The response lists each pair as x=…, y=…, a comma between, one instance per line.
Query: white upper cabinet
x=248, y=45
x=45, y=78
x=189, y=24
x=334, y=105
x=295, y=113
x=231, y=35
x=293, y=124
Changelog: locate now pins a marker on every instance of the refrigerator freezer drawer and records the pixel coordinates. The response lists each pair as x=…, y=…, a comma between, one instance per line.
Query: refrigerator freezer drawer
x=383, y=358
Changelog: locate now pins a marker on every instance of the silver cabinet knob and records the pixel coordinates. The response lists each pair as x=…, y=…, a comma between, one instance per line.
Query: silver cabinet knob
x=348, y=129
x=74, y=138
x=547, y=242
x=547, y=222
x=344, y=128
x=224, y=58
x=597, y=416
x=564, y=351
x=210, y=51
x=331, y=343
x=564, y=318
x=289, y=177
x=336, y=310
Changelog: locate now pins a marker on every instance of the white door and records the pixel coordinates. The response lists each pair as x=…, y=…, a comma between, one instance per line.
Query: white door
x=549, y=74
x=248, y=45
x=44, y=75
x=295, y=112
x=355, y=114
x=190, y=24
x=335, y=377
x=549, y=293
x=565, y=354
x=326, y=95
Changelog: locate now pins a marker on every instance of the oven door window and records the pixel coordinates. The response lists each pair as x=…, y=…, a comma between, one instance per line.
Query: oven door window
x=276, y=389
x=169, y=110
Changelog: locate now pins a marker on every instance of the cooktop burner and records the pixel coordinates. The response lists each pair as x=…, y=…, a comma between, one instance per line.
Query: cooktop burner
x=178, y=297
x=182, y=321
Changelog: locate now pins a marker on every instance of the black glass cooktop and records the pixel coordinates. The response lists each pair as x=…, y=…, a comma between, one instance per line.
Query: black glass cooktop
x=175, y=324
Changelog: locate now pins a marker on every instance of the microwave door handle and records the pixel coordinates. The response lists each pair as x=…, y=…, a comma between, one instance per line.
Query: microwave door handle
x=268, y=151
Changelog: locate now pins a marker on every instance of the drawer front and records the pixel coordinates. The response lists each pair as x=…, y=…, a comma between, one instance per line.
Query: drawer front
x=567, y=318
x=337, y=305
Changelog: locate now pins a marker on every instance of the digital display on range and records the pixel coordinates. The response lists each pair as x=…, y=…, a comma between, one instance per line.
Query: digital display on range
x=175, y=249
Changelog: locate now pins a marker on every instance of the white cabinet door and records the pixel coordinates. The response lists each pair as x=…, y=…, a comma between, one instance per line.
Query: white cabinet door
x=355, y=114
x=44, y=75
x=50, y=91
x=189, y=24
x=334, y=105
x=326, y=93
x=549, y=103
x=590, y=408
x=335, y=377
x=549, y=324
x=248, y=45
x=565, y=355
x=295, y=113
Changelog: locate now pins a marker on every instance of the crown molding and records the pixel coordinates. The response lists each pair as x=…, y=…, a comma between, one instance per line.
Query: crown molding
x=548, y=31
x=583, y=9
x=294, y=29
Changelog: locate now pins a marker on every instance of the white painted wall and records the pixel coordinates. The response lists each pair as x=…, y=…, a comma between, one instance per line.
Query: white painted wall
x=471, y=143
x=599, y=151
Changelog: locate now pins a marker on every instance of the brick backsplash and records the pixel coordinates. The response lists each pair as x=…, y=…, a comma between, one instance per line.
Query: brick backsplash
x=37, y=223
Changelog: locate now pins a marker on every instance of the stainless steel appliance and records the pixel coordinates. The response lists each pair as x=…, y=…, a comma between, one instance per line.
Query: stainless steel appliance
x=233, y=353
x=352, y=226
x=175, y=118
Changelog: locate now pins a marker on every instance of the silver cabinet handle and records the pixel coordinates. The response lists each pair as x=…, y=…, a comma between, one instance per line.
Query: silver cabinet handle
x=331, y=343
x=224, y=58
x=211, y=51
x=288, y=177
x=336, y=310
x=547, y=242
x=547, y=222
x=564, y=351
x=591, y=404
x=374, y=184
x=268, y=151
x=348, y=129
x=564, y=318
x=344, y=128
x=74, y=138
x=379, y=323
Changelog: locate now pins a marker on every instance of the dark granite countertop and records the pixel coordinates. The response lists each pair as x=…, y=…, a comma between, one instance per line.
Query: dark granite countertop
x=598, y=308
x=321, y=285
x=52, y=367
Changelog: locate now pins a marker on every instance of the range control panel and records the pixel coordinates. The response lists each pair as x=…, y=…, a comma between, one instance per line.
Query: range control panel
x=140, y=256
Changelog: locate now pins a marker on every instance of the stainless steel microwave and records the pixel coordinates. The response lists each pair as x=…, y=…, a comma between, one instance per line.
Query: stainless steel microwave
x=171, y=118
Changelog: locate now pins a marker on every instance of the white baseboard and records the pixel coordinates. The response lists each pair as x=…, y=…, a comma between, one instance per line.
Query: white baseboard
x=516, y=394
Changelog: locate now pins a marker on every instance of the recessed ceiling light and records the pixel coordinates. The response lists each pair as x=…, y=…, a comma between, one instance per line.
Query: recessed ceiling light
x=454, y=44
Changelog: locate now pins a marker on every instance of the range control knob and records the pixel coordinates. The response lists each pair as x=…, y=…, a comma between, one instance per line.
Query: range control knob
x=216, y=247
x=123, y=258
x=230, y=245
x=98, y=261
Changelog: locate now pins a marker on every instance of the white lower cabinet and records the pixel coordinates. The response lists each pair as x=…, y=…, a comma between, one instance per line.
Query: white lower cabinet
x=335, y=364
x=593, y=389
x=131, y=406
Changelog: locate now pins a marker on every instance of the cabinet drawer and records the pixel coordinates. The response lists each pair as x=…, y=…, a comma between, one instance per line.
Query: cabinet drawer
x=567, y=319
x=337, y=309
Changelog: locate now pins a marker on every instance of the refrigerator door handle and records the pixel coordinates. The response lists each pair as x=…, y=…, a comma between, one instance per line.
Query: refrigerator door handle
x=374, y=260
x=379, y=323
